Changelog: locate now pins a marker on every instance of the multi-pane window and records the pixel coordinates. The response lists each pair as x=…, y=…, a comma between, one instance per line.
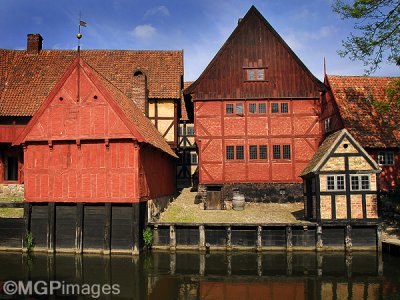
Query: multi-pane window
x=239, y=108
x=260, y=74
x=230, y=153
x=284, y=108
x=253, y=152
x=263, y=152
x=229, y=108
x=250, y=74
x=274, y=108
x=327, y=124
x=276, y=151
x=190, y=130
x=239, y=152
x=386, y=158
x=256, y=74
x=252, y=108
x=360, y=182
x=262, y=108
x=335, y=183
x=193, y=158
x=286, y=152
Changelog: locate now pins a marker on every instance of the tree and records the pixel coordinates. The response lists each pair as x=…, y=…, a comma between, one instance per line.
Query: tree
x=378, y=31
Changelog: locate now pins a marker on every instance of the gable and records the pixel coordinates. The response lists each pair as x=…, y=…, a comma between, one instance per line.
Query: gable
x=254, y=44
x=66, y=118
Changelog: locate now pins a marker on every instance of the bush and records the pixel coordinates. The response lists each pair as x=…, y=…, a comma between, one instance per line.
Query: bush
x=148, y=237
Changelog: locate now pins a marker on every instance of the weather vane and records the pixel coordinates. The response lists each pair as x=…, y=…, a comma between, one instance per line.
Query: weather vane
x=79, y=35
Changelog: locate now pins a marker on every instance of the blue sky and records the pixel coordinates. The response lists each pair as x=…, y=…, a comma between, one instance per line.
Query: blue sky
x=200, y=28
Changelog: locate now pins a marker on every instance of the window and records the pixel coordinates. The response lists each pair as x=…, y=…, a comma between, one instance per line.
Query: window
x=284, y=108
x=274, y=108
x=276, y=149
x=229, y=108
x=335, y=183
x=260, y=74
x=253, y=152
x=250, y=74
x=252, y=108
x=239, y=152
x=262, y=108
x=180, y=131
x=10, y=167
x=386, y=158
x=286, y=151
x=257, y=74
x=360, y=182
x=190, y=130
x=230, y=155
x=263, y=152
x=193, y=158
x=327, y=124
x=239, y=108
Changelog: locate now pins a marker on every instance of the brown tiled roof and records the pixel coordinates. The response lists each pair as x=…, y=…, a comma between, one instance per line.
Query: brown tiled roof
x=184, y=113
x=26, y=79
x=355, y=97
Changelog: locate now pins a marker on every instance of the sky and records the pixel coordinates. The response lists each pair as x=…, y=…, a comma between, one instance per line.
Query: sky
x=199, y=28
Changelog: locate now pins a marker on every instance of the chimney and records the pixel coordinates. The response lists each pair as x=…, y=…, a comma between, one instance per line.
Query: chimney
x=34, y=43
x=139, y=91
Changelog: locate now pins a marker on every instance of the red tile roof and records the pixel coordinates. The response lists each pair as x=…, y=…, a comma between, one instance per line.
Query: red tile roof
x=26, y=79
x=355, y=97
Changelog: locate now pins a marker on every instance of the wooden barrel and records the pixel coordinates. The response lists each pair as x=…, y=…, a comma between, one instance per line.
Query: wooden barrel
x=238, y=201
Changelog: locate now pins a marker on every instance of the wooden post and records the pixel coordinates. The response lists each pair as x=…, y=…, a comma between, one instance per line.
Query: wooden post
x=172, y=263
x=379, y=238
x=229, y=238
x=79, y=228
x=202, y=238
x=259, y=238
x=318, y=238
x=107, y=228
x=135, y=228
x=155, y=235
x=320, y=259
x=349, y=260
x=172, y=237
x=27, y=220
x=348, y=242
x=51, y=227
x=289, y=244
x=202, y=266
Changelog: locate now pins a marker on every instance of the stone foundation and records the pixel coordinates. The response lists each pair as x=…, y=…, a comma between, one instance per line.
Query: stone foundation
x=11, y=190
x=258, y=192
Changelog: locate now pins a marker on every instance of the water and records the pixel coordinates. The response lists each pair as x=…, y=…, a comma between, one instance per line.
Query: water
x=216, y=275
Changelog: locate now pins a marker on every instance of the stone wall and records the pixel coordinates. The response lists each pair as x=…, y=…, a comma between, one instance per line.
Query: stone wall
x=258, y=192
x=11, y=190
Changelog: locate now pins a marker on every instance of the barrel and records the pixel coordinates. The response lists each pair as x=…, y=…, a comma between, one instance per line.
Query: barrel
x=238, y=201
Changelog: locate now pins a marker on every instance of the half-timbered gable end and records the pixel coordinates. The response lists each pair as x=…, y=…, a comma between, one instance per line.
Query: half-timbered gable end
x=88, y=142
x=256, y=109
x=341, y=181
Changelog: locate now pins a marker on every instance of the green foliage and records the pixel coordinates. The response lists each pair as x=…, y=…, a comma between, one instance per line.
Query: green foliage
x=377, y=35
x=29, y=241
x=148, y=237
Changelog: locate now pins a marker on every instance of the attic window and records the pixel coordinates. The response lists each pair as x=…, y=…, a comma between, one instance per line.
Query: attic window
x=138, y=73
x=255, y=74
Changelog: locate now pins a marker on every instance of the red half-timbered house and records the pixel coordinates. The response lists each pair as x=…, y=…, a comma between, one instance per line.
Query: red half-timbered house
x=152, y=79
x=360, y=104
x=256, y=111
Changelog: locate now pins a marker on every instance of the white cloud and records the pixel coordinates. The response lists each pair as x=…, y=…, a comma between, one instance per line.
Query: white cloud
x=37, y=20
x=144, y=31
x=159, y=10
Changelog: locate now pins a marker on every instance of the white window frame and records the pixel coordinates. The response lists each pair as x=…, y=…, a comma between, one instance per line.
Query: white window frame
x=360, y=185
x=383, y=158
x=335, y=183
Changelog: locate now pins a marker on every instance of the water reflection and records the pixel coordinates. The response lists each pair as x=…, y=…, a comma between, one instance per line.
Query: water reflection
x=219, y=275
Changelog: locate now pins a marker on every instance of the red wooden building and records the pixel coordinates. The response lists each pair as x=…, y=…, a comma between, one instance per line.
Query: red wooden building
x=88, y=142
x=152, y=79
x=256, y=111
x=357, y=103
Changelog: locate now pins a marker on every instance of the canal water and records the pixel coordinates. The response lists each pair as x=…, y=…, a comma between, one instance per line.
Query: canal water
x=193, y=275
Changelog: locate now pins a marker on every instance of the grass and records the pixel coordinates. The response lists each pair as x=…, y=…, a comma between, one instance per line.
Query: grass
x=11, y=212
x=183, y=210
